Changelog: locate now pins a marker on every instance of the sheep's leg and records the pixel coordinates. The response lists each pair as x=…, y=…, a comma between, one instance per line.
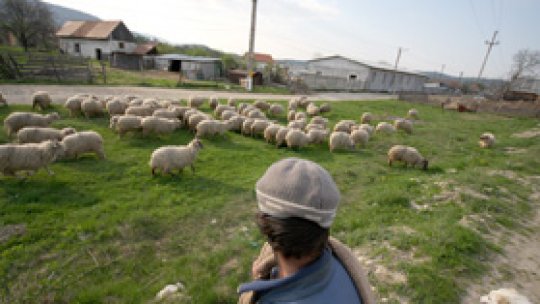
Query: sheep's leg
x=153, y=171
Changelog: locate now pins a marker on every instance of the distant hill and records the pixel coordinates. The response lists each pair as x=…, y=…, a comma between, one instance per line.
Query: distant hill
x=62, y=14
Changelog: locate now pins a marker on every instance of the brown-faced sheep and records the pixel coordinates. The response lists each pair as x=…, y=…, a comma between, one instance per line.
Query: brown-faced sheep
x=409, y=155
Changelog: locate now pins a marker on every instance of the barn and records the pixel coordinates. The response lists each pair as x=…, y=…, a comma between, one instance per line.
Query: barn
x=191, y=67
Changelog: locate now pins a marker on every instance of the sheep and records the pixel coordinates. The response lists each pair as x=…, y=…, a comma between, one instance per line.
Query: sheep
x=258, y=127
x=194, y=120
x=319, y=121
x=270, y=133
x=291, y=115
x=188, y=114
x=413, y=114
x=368, y=128
x=170, y=158
x=281, y=135
x=366, y=118
x=256, y=114
x=83, y=142
x=221, y=108
x=18, y=120
x=303, y=102
x=487, y=140
x=340, y=141
x=136, y=102
x=141, y=111
x=181, y=110
x=228, y=114
x=231, y=102
x=41, y=99
x=408, y=155
x=242, y=106
x=36, y=135
x=276, y=110
x=3, y=102
x=403, y=124
x=73, y=104
x=360, y=137
x=195, y=101
x=262, y=105
x=312, y=110
x=151, y=103
x=245, y=111
x=212, y=128
x=29, y=157
x=344, y=126
x=293, y=104
x=129, y=98
x=325, y=108
x=235, y=123
x=297, y=124
x=296, y=139
x=213, y=102
x=317, y=136
x=246, y=126
x=170, y=113
x=116, y=106
x=300, y=115
x=124, y=124
x=164, y=104
x=312, y=126
x=91, y=107
x=159, y=126
x=384, y=127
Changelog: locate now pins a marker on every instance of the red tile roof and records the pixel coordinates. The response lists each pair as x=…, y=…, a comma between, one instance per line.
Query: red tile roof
x=260, y=57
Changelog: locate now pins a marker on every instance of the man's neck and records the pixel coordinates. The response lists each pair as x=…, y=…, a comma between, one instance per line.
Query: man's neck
x=291, y=265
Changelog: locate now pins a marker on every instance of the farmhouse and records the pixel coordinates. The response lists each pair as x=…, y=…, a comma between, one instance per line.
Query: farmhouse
x=261, y=61
x=191, y=67
x=95, y=39
x=344, y=74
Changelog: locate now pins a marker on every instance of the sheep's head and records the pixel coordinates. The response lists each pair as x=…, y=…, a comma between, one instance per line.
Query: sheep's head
x=56, y=148
x=196, y=144
x=68, y=131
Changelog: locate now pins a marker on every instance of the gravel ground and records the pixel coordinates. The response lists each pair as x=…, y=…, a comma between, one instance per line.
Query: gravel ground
x=21, y=94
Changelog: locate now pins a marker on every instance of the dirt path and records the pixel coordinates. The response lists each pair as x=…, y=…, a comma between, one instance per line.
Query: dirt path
x=21, y=94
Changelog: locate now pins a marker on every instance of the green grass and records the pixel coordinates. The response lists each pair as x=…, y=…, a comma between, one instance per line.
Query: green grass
x=107, y=231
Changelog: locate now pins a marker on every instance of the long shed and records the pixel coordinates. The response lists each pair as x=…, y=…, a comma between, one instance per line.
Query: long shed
x=191, y=67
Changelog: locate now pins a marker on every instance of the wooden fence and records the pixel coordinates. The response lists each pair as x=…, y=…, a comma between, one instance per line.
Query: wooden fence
x=51, y=67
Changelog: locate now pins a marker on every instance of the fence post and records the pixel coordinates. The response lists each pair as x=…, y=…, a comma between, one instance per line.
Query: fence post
x=104, y=72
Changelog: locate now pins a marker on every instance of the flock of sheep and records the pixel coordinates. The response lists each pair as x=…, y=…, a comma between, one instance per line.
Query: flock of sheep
x=39, y=145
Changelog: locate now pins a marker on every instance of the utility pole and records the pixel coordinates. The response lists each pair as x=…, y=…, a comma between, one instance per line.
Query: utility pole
x=490, y=46
x=397, y=59
x=251, y=46
x=395, y=70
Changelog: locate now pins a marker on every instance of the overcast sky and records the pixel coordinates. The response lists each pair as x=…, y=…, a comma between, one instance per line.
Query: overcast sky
x=432, y=32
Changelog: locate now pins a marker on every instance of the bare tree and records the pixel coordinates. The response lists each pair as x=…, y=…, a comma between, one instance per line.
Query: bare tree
x=30, y=21
x=526, y=63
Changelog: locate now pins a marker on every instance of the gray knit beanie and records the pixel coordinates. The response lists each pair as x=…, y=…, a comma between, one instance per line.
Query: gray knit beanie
x=295, y=187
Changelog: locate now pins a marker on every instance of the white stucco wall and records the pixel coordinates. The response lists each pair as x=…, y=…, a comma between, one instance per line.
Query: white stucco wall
x=339, y=67
x=88, y=47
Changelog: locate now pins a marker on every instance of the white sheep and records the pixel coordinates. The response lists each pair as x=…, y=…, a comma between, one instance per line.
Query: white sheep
x=325, y=108
x=344, y=126
x=241, y=107
x=340, y=141
x=3, y=102
x=123, y=124
x=408, y=155
x=246, y=126
x=296, y=139
x=29, y=157
x=235, y=123
x=403, y=124
x=139, y=110
x=258, y=127
x=313, y=110
x=170, y=158
x=91, y=107
x=303, y=102
x=368, y=128
x=37, y=135
x=312, y=126
x=231, y=102
x=384, y=127
x=188, y=114
x=487, y=140
x=270, y=132
x=194, y=120
x=291, y=115
x=213, y=102
x=151, y=102
x=212, y=127
x=300, y=115
x=83, y=142
x=159, y=126
x=256, y=114
x=222, y=108
x=297, y=124
x=73, y=104
x=317, y=136
x=293, y=104
x=195, y=101
x=172, y=112
x=18, y=120
x=281, y=135
x=360, y=137
x=41, y=99
x=116, y=106
x=262, y=105
x=366, y=118
x=319, y=120
x=227, y=114
x=136, y=102
x=276, y=110
x=245, y=111
x=413, y=114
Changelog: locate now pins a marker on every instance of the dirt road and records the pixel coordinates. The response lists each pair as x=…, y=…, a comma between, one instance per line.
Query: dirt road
x=21, y=94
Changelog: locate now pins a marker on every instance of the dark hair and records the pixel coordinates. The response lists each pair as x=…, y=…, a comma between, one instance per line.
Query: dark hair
x=293, y=237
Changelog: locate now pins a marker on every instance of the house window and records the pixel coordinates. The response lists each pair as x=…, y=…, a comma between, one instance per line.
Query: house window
x=353, y=77
x=120, y=45
x=77, y=47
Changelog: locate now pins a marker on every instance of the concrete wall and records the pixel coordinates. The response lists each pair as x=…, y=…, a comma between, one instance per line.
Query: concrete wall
x=88, y=47
x=386, y=81
x=321, y=82
x=335, y=74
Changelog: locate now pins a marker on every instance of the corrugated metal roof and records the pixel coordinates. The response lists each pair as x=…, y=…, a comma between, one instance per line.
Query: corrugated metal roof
x=187, y=58
x=87, y=29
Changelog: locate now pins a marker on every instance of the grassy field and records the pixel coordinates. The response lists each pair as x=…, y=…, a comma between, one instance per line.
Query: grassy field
x=107, y=231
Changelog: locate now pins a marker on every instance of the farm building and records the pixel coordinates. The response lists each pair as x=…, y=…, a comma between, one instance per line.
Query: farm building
x=140, y=59
x=95, y=39
x=340, y=73
x=192, y=67
x=261, y=61
x=524, y=89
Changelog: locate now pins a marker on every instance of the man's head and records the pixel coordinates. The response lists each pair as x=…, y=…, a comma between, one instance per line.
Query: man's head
x=297, y=202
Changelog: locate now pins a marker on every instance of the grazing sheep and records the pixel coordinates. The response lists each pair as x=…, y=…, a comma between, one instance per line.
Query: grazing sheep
x=222, y=108
x=159, y=126
x=296, y=139
x=368, y=128
x=344, y=126
x=403, y=124
x=408, y=155
x=297, y=124
x=116, y=106
x=231, y=102
x=258, y=127
x=300, y=115
x=366, y=118
x=319, y=121
x=360, y=137
x=270, y=133
x=293, y=104
x=276, y=110
x=281, y=135
x=195, y=119
x=325, y=108
x=246, y=126
x=73, y=104
x=164, y=104
x=3, y=102
x=29, y=157
x=212, y=128
x=242, y=106
x=303, y=102
x=141, y=111
x=262, y=105
x=228, y=114
x=195, y=101
x=312, y=110
x=317, y=136
x=340, y=141
x=256, y=114
x=181, y=110
x=213, y=102
x=172, y=112
x=312, y=126
x=129, y=98
x=235, y=123
x=124, y=124
x=487, y=140
x=136, y=102
x=384, y=127
x=413, y=114
x=18, y=120
x=245, y=111
x=36, y=135
x=91, y=107
x=291, y=115
x=41, y=99
x=83, y=142
x=151, y=103
x=170, y=158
